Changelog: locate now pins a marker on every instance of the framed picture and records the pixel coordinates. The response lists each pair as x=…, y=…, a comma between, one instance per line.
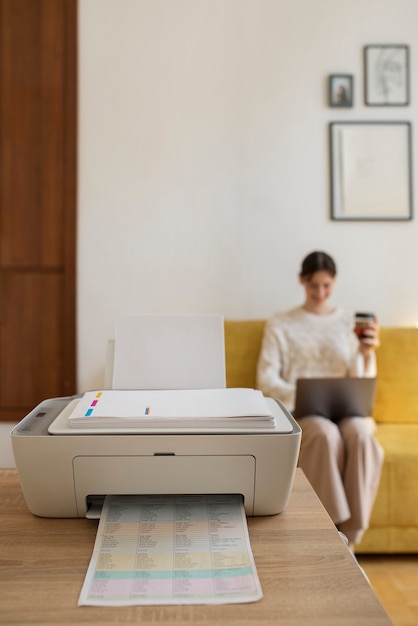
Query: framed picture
x=386, y=75
x=341, y=90
x=370, y=170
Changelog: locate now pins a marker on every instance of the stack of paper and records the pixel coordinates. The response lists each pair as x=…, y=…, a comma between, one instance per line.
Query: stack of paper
x=191, y=408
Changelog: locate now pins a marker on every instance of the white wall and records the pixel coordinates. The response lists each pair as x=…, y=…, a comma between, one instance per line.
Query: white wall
x=203, y=160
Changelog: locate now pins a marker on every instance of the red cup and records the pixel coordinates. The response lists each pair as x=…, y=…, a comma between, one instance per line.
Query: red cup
x=361, y=322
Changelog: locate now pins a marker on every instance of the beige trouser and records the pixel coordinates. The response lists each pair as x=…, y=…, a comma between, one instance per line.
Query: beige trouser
x=343, y=462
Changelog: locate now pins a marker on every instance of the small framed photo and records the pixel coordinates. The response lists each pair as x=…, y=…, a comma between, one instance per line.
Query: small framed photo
x=386, y=75
x=341, y=90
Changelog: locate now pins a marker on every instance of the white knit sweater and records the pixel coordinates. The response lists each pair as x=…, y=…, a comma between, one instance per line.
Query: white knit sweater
x=299, y=344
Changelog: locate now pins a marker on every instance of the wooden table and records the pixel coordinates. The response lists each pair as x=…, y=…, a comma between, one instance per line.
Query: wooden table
x=307, y=574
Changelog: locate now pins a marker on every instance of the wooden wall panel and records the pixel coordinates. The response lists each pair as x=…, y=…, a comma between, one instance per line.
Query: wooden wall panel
x=30, y=337
x=38, y=40
x=32, y=122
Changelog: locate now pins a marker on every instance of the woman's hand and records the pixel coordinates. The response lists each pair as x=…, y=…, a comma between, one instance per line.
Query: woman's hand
x=369, y=339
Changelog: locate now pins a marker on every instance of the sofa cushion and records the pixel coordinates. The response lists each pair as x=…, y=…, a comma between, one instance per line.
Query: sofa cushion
x=396, y=502
x=242, y=347
x=397, y=376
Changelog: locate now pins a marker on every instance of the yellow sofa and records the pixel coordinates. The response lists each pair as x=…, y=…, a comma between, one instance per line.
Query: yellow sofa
x=394, y=521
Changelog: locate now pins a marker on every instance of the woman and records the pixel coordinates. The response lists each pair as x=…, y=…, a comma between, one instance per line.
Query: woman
x=343, y=460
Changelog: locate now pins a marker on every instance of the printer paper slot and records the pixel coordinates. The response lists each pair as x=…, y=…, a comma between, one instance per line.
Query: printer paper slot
x=164, y=474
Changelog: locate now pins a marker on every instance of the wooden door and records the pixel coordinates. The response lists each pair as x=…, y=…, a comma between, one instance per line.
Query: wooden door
x=37, y=202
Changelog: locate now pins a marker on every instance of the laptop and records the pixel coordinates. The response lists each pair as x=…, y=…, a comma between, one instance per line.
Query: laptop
x=334, y=398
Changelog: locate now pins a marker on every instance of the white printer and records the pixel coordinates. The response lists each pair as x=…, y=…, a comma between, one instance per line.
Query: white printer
x=65, y=472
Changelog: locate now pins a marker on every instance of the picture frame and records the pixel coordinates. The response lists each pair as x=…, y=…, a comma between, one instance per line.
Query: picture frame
x=340, y=90
x=386, y=75
x=371, y=171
